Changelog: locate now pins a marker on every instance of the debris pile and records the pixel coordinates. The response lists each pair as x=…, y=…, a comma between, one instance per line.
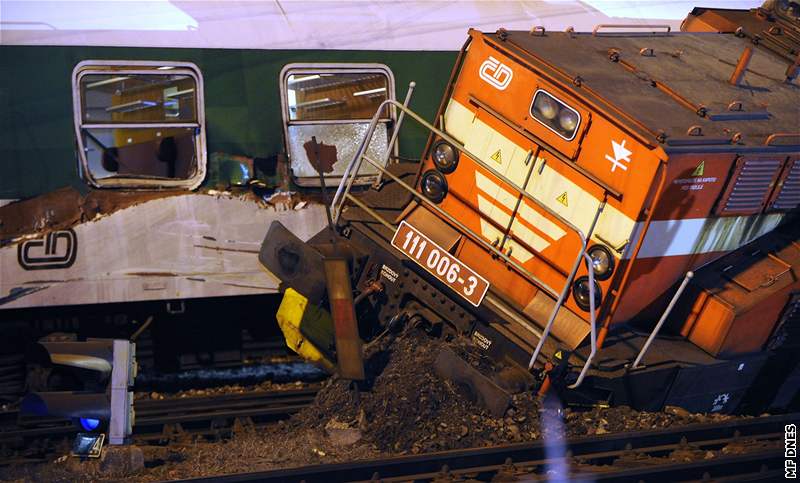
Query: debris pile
x=407, y=408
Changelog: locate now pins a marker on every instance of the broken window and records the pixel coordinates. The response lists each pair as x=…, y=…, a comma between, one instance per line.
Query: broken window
x=140, y=124
x=334, y=104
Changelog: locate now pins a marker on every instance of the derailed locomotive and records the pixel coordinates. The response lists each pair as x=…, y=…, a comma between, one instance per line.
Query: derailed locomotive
x=575, y=189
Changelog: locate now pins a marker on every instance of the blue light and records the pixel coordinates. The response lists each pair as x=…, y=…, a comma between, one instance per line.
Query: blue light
x=90, y=424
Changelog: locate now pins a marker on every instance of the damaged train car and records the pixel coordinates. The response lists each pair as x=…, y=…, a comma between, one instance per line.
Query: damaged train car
x=612, y=212
x=148, y=190
x=138, y=182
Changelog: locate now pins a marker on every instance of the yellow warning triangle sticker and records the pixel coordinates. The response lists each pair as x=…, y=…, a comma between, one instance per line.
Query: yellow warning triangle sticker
x=563, y=199
x=559, y=355
x=698, y=171
x=497, y=157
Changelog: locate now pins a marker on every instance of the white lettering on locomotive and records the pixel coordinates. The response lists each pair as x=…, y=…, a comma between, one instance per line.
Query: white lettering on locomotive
x=481, y=340
x=389, y=274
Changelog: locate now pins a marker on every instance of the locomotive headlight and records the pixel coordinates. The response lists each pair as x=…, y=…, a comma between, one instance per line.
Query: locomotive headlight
x=602, y=262
x=580, y=292
x=546, y=106
x=434, y=186
x=445, y=156
x=568, y=120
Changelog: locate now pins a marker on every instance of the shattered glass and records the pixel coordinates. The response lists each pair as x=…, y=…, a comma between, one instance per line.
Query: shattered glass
x=338, y=144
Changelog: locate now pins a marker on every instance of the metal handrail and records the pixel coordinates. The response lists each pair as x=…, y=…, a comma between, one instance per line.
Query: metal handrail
x=338, y=198
x=585, y=367
x=449, y=218
x=565, y=291
x=349, y=176
x=395, y=132
x=663, y=318
x=597, y=28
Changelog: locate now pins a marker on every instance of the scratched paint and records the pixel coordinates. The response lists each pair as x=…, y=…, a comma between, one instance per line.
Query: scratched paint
x=186, y=246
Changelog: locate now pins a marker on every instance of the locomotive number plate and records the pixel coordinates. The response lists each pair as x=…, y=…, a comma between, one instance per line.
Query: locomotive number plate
x=439, y=263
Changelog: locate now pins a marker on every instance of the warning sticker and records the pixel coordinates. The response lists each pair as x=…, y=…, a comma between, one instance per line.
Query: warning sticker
x=563, y=199
x=497, y=156
x=699, y=170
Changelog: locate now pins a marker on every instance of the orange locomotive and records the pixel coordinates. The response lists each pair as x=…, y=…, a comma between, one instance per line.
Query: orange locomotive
x=571, y=182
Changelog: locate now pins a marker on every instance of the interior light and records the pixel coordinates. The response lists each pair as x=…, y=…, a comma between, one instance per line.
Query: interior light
x=104, y=82
x=315, y=102
x=303, y=78
x=371, y=91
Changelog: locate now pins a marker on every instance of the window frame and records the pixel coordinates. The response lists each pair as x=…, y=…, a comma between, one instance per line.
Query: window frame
x=134, y=67
x=577, y=126
x=311, y=68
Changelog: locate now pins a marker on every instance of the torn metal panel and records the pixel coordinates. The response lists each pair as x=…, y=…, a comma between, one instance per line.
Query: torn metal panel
x=186, y=246
x=65, y=207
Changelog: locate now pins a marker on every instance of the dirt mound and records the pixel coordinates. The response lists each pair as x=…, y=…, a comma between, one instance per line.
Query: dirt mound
x=407, y=408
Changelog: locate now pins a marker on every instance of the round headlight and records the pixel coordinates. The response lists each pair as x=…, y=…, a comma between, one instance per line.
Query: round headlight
x=568, y=120
x=445, y=157
x=434, y=186
x=602, y=262
x=546, y=106
x=580, y=292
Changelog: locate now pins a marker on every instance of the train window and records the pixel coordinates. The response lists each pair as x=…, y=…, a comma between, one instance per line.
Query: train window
x=555, y=115
x=333, y=104
x=140, y=124
x=335, y=96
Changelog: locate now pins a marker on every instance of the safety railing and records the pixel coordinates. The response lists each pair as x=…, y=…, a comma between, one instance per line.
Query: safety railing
x=663, y=319
x=563, y=295
x=349, y=176
x=593, y=326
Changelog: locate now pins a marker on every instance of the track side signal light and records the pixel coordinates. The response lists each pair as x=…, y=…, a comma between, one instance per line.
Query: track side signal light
x=107, y=369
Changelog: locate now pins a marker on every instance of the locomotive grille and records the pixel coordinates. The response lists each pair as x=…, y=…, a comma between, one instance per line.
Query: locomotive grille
x=752, y=186
x=789, y=196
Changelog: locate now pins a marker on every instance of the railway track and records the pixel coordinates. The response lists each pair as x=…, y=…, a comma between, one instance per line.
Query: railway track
x=633, y=457
x=24, y=439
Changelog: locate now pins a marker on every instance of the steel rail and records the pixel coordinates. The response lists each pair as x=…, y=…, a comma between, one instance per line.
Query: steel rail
x=180, y=410
x=494, y=459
